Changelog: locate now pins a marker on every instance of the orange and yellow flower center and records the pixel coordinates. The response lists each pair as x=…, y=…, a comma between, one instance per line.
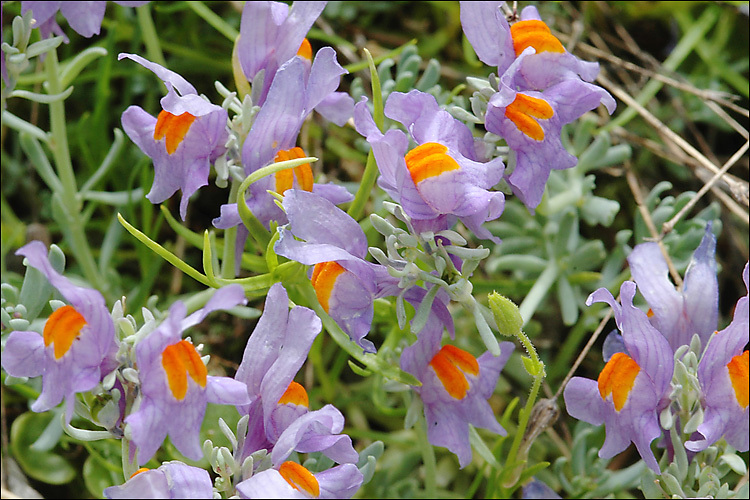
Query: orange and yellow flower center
x=295, y=394
x=299, y=478
x=142, y=469
x=62, y=328
x=173, y=127
x=323, y=278
x=305, y=50
x=738, y=374
x=617, y=378
x=451, y=365
x=429, y=160
x=180, y=360
x=303, y=173
x=534, y=33
x=523, y=111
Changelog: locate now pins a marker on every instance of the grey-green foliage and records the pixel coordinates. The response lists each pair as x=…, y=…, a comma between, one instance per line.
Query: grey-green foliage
x=550, y=240
x=404, y=75
x=687, y=233
x=584, y=474
x=19, y=309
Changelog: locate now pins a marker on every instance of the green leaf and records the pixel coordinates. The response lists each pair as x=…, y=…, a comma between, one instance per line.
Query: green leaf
x=97, y=476
x=44, y=466
x=531, y=367
x=42, y=98
x=36, y=290
x=735, y=462
x=78, y=63
x=362, y=372
x=164, y=253
x=567, y=297
x=531, y=471
x=481, y=448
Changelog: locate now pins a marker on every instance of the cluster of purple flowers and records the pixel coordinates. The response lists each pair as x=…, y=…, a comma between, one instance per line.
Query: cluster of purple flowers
x=436, y=170
x=636, y=383
x=439, y=173
x=78, y=348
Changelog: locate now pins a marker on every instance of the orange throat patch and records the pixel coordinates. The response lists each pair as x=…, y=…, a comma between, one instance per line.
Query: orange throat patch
x=617, y=378
x=451, y=365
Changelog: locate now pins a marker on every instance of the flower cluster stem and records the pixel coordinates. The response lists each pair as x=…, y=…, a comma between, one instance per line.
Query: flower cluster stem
x=428, y=458
x=69, y=196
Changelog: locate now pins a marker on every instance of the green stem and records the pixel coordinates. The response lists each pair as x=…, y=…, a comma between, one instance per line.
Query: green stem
x=371, y=168
x=214, y=20
x=428, y=458
x=365, y=187
x=150, y=38
x=230, y=239
x=69, y=198
x=128, y=467
x=164, y=253
x=512, y=476
x=256, y=229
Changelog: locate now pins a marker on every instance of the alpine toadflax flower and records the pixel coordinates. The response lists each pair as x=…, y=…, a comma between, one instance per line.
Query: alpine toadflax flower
x=84, y=17
x=498, y=44
x=723, y=376
x=291, y=480
x=187, y=136
x=531, y=123
x=77, y=346
x=272, y=33
x=171, y=480
x=679, y=314
x=273, y=355
x=632, y=388
x=455, y=389
x=444, y=176
x=294, y=93
x=279, y=406
x=541, y=88
x=345, y=283
x=175, y=385
x=335, y=244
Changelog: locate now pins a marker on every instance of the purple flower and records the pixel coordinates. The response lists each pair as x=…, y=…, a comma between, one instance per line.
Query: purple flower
x=679, y=314
x=633, y=386
x=723, y=376
x=344, y=282
x=278, y=408
x=175, y=385
x=444, y=177
x=172, y=480
x=295, y=91
x=291, y=480
x=346, y=285
x=271, y=33
x=77, y=347
x=542, y=87
x=84, y=17
x=499, y=44
x=187, y=136
x=531, y=122
x=455, y=389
